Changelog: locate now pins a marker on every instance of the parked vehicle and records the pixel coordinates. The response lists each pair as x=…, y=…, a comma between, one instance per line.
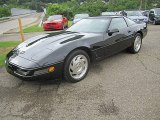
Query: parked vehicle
x=69, y=53
x=154, y=16
x=108, y=13
x=145, y=13
x=137, y=16
x=79, y=17
x=55, y=22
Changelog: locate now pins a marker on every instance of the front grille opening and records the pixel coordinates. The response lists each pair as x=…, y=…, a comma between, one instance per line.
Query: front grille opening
x=24, y=72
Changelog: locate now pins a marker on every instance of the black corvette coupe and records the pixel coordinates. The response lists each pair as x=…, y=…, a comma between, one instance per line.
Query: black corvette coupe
x=68, y=54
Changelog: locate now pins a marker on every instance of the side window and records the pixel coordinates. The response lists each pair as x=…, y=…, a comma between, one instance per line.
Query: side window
x=117, y=23
x=129, y=22
x=151, y=12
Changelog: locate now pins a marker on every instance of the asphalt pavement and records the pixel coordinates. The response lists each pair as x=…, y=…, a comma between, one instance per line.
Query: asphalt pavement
x=122, y=87
x=13, y=24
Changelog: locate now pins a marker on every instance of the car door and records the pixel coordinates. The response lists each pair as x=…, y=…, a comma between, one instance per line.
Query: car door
x=116, y=41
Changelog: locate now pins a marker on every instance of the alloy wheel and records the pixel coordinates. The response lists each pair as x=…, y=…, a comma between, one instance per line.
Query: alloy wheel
x=78, y=67
x=137, y=43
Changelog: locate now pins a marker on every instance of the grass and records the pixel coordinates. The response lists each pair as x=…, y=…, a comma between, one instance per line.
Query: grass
x=6, y=44
x=36, y=28
x=5, y=47
x=69, y=23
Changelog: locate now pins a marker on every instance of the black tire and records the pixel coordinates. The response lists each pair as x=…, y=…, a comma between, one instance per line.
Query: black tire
x=131, y=49
x=67, y=76
x=67, y=26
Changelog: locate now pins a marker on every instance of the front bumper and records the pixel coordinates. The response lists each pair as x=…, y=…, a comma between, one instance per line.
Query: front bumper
x=140, y=20
x=32, y=75
x=53, y=27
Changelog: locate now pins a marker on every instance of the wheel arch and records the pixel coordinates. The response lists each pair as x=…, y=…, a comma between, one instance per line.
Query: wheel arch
x=84, y=48
x=140, y=32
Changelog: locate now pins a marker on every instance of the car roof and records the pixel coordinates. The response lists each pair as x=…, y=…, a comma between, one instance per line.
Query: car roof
x=106, y=17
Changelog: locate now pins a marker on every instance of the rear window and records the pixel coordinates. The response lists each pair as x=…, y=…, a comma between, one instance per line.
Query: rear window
x=55, y=17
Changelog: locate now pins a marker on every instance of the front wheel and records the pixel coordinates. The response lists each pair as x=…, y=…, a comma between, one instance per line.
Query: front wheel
x=76, y=66
x=136, y=46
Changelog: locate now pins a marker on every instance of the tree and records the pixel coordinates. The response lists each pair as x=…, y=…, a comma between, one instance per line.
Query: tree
x=141, y=2
x=4, y=12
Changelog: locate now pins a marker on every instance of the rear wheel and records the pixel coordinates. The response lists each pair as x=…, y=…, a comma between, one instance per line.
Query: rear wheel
x=136, y=46
x=76, y=66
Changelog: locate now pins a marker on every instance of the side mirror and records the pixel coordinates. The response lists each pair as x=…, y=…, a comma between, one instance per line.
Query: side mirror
x=110, y=32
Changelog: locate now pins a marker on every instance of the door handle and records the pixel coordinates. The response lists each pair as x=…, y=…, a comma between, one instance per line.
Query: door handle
x=129, y=31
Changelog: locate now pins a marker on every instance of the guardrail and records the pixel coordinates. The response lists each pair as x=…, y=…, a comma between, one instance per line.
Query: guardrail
x=5, y=19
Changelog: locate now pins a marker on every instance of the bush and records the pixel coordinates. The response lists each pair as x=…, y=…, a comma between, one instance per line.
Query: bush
x=4, y=12
x=93, y=8
x=123, y=5
x=69, y=9
x=62, y=9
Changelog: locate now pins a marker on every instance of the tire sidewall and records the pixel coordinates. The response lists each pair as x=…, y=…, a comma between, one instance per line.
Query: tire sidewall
x=68, y=60
x=138, y=34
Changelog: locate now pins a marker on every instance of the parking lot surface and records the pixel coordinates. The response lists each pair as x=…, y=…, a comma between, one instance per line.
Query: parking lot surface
x=122, y=87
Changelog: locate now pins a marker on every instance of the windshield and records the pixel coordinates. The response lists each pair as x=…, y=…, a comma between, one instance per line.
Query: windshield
x=134, y=13
x=55, y=17
x=81, y=16
x=108, y=13
x=90, y=26
x=157, y=11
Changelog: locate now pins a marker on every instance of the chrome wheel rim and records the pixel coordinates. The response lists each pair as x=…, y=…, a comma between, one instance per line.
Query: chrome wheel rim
x=78, y=67
x=137, y=43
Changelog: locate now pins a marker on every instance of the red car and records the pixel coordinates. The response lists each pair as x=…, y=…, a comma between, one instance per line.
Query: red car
x=55, y=22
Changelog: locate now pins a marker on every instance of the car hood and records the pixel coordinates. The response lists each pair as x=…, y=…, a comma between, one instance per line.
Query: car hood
x=137, y=17
x=39, y=47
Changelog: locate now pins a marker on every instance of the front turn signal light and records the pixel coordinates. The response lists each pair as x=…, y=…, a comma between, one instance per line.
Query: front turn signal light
x=51, y=69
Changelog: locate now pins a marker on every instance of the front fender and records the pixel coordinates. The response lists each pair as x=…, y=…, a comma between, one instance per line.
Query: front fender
x=59, y=54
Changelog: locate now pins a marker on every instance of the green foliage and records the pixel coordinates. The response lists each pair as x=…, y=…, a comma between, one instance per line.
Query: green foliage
x=6, y=44
x=117, y=5
x=94, y=8
x=5, y=47
x=4, y=12
x=70, y=8
x=59, y=9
